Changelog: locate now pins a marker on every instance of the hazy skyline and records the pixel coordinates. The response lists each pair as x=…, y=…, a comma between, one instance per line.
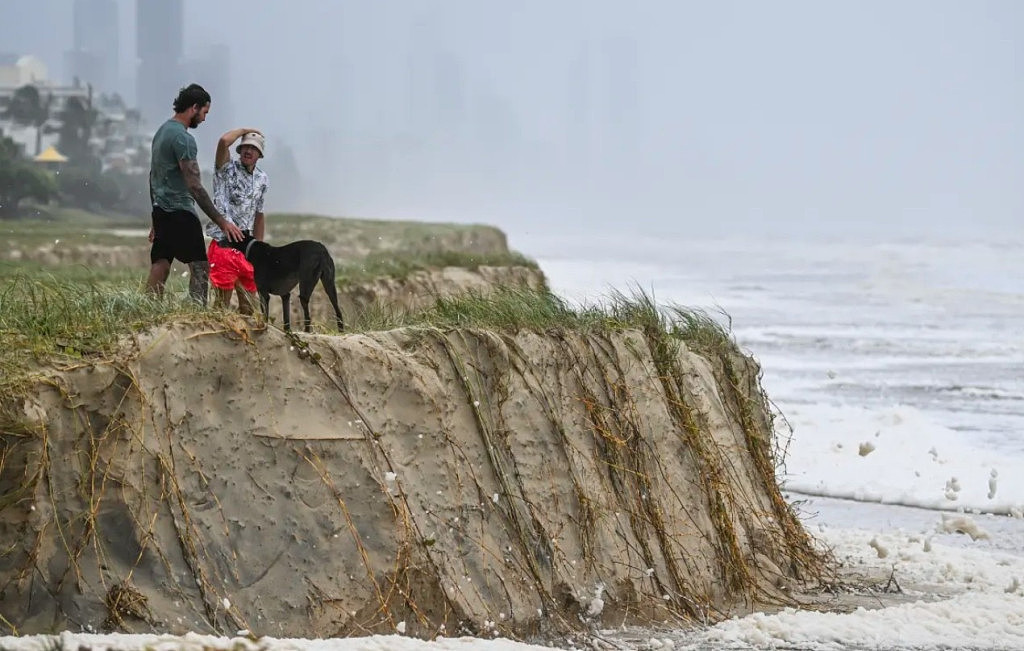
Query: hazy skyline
x=669, y=117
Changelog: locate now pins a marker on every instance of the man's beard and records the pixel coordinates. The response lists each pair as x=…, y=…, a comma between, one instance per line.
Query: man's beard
x=195, y=122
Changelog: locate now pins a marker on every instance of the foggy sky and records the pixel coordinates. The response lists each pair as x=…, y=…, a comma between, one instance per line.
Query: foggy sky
x=667, y=117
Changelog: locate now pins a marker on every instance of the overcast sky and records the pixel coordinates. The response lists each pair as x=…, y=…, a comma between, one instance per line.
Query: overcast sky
x=670, y=117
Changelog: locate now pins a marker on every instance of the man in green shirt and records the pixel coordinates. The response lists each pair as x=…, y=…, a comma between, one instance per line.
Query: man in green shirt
x=175, y=187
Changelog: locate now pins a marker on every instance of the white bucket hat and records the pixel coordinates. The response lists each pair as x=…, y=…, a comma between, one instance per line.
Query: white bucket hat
x=254, y=139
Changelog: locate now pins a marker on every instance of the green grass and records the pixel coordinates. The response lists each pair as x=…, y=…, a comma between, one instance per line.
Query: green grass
x=79, y=310
x=74, y=273
x=63, y=215
x=352, y=240
x=28, y=235
x=363, y=249
x=57, y=317
x=378, y=265
x=49, y=317
x=43, y=225
x=367, y=230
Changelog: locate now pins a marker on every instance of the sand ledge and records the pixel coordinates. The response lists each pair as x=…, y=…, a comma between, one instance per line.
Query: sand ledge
x=459, y=482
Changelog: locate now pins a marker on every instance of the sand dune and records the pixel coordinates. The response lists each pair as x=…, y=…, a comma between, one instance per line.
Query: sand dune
x=417, y=480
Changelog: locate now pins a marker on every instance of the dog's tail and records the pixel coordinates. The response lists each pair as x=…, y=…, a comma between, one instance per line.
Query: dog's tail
x=327, y=274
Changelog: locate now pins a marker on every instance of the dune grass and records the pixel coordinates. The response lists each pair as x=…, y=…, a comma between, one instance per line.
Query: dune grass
x=29, y=271
x=363, y=249
x=44, y=316
x=513, y=308
x=46, y=225
x=373, y=267
x=378, y=265
x=368, y=231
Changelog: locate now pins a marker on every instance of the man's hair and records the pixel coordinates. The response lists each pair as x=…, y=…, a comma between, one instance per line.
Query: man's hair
x=190, y=96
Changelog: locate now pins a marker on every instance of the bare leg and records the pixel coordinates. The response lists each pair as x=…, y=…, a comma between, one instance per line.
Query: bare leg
x=158, y=272
x=199, y=281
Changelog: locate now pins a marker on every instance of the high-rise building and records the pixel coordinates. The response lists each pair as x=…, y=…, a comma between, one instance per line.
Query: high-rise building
x=160, y=38
x=93, y=58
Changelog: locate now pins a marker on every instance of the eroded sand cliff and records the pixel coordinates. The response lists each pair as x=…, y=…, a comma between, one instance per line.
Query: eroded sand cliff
x=216, y=478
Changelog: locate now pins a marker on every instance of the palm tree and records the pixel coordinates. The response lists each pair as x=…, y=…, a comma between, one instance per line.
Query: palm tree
x=28, y=107
x=77, y=122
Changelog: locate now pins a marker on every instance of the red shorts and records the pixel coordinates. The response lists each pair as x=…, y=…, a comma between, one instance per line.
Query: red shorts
x=228, y=265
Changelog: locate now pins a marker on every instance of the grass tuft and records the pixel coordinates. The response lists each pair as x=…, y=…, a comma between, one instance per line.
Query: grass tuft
x=511, y=309
x=44, y=316
x=505, y=309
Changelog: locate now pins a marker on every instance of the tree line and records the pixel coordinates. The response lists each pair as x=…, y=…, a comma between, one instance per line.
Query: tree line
x=81, y=182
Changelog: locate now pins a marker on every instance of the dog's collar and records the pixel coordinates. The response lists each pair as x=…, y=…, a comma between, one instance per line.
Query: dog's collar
x=247, y=247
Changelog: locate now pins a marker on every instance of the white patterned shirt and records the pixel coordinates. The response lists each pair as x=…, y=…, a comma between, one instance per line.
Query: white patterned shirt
x=238, y=195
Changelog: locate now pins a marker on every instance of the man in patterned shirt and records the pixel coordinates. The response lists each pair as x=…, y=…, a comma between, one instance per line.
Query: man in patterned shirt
x=238, y=190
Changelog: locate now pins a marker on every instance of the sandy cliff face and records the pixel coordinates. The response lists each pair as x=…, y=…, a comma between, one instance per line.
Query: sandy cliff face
x=418, y=480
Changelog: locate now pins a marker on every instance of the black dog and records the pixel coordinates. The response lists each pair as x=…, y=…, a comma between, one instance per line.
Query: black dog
x=278, y=269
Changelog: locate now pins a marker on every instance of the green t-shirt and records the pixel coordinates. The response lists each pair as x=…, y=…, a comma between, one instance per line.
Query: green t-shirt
x=171, y=143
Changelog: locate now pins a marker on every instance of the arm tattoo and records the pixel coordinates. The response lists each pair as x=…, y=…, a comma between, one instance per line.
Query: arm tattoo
x=195, y=185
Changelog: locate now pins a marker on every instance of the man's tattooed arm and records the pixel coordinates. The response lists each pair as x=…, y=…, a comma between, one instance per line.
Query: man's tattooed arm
x=194, y=181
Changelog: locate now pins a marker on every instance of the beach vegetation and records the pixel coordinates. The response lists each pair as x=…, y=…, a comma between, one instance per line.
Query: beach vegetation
x=74, y=311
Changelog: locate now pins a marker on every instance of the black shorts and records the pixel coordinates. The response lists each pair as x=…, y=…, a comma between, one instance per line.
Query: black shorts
x=177, y=235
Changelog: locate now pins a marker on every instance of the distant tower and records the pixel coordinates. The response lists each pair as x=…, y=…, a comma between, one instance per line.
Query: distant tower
x=160, y=34
x=94, y=56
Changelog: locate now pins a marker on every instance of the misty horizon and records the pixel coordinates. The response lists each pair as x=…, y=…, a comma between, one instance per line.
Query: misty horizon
x=794, y=117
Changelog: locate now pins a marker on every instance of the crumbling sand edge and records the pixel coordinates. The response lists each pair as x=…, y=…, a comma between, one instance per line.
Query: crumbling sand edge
x=443, y=482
